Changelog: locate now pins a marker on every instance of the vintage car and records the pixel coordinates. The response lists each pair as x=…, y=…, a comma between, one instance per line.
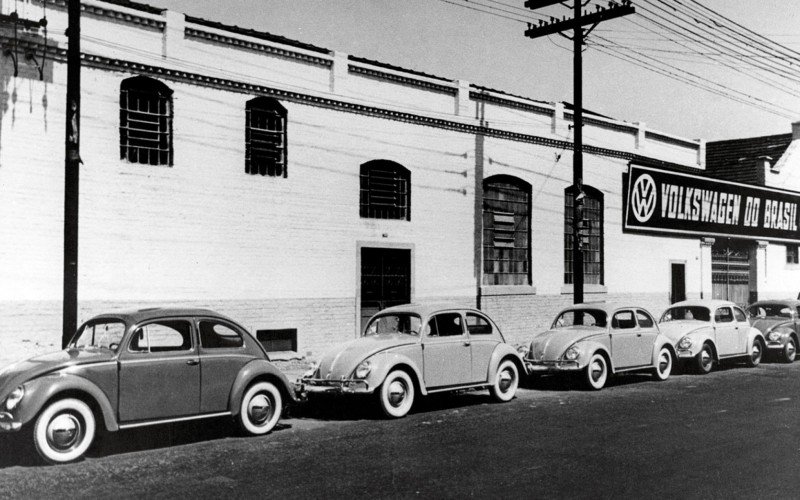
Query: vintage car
x=705, y=332
x=779, y=322
x=411, y=349
x=597, y=340
x=137, y=368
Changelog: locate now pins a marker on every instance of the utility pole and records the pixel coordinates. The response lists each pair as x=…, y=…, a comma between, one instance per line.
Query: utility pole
x=72, y=163
x=576, y=24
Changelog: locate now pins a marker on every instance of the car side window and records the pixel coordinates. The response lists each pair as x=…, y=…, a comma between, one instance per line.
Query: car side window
x=740, y=316
x=723, y=315
x=644, y=319
x=215, y=335
x=162, y=336
x=445, y=325
x=478, y=325
x=623, y=320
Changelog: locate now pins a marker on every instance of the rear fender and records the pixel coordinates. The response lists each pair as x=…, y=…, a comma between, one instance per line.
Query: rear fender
x=661, y=342
x=501, y=352
x=43, y=389
x=258, y=369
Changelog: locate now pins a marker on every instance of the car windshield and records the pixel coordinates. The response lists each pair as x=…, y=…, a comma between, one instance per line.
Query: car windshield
x=105, y=334
x=686, y=312
x=764, y=310
x=581, y=317
x=394, y=323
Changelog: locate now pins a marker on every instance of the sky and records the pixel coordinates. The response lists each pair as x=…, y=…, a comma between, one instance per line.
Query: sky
x=635, y=67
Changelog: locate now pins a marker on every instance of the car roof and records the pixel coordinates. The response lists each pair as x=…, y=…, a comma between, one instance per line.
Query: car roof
x=132, y=316
x=429, y=308
x=710, y=303
x=784, y=302
x=608, y=307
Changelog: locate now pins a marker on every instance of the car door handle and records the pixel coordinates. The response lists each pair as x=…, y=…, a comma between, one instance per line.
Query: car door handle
x=193, y=362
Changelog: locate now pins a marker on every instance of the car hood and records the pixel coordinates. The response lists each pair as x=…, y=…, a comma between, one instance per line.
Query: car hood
x=18, y=373
x=764, y=324
x=550, y=345
x=341, y=361
x=675, y=330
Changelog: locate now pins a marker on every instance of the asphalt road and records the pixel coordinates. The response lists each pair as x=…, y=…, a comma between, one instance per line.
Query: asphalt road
x=733, y=433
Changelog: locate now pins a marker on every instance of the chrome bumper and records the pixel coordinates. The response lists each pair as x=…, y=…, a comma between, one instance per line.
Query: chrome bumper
x=775, y=344
x=551, y=366
x=7, y=423
x=685, y=353
x=316, y=386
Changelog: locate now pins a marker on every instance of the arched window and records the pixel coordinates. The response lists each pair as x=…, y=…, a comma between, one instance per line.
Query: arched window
x=506, y=231
x=385, y=190
x=145, y=121
x=265, y=137
x=593, y=251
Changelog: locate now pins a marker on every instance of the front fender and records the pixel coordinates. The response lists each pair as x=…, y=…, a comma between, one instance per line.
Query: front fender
x=588, y=348
x=258, y=369
x=386, y=361
x=501, y=351
x=41, y=390
x=698, y=338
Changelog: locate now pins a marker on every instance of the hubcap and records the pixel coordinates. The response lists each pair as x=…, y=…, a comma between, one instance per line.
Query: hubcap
x=259, y=409
x=790, y=350
x=505, y=380
x=705, y=357
x=597, y=370
x=64, y=432
x=756, y=351
x=397, y=393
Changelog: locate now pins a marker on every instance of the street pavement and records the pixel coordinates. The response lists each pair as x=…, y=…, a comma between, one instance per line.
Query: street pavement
x=731, y=434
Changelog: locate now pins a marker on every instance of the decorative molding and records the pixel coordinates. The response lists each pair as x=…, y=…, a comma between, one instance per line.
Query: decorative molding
x=117, y=15
x=621, y=127
x=587, y=288
x=505, y=290
x=670, y=140
x=258, y=47
x=510, y=103
x=403, y=80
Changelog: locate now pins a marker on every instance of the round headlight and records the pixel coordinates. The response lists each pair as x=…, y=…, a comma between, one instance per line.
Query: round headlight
x=14, y=398
x=572, y=353
x=685, y=343
x=363, y=369
x=773, y=336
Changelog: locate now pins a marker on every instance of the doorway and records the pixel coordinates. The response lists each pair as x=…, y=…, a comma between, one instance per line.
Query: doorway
x=731, y=270
x=385, y=280
x=678, y=279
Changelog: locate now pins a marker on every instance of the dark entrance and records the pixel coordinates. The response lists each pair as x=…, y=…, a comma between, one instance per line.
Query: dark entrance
x=385, y=280
x=678, y=292
x=730, y=270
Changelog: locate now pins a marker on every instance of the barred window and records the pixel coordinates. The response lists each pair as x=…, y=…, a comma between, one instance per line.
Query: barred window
x=145, y=121
x=792, y=254
x=593, y=252
x=385, y=190
x=506, y=231
x=265, y=137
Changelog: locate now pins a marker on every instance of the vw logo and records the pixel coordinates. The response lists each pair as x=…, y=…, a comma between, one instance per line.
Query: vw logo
x=643, y=198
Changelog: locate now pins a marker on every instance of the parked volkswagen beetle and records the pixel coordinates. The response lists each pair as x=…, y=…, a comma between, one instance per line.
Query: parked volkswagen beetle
x=138, y=368
x=419, y=349
x=598, y=340
x=778, y=321
x=705, y=332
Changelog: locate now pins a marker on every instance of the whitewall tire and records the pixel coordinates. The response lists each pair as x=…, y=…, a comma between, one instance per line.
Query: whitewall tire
x=396, y=394
x=663, y=367
x=596, y=372
x=506, y=381
x=260, y=409
x=64, y=430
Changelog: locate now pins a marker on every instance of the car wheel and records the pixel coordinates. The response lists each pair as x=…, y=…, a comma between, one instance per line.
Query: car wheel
x=596, y=372
x=704, y=361
x=756, y=351
x=663, y=367
x=396, y=394
x=64, y=430
x=506, y=382
x=789, y=351
x=260, y=409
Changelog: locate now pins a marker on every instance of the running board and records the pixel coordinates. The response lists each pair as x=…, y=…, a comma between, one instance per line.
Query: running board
x=172, y=420
x=457, y=387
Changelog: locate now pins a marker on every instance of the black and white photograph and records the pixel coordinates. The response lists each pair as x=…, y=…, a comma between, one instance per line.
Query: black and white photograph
x=411, y=249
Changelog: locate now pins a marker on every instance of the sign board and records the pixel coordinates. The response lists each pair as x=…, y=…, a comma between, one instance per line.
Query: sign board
x=663, y=201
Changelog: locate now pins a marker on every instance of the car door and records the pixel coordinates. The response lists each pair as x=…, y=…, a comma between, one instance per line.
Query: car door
x=726, y=331
x=159, y=372
x=483, y=340
x=222, y=356
x=742, y=329
x=648, y=332
x=627, y=341
x=446, y=353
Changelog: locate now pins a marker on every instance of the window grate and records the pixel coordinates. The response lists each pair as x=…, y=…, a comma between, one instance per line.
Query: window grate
x=506, y=232
x=593, y=252
x=145, y=121
x=385, y=191
x=265, y=138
